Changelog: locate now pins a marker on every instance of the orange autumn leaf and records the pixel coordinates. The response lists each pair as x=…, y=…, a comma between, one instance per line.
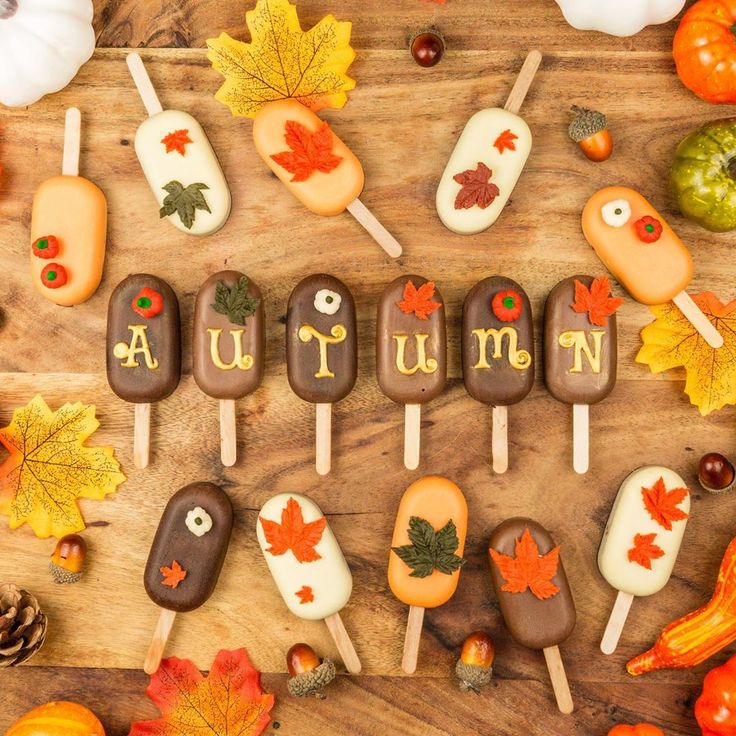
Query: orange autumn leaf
x=528, y=569
x=419, y=301
x=293, y=534
x=173, y=575
x=309, y=152
x=662, y=504
x=177, y=141
x=306, y=595
x=597, y=301
x=644, y=550
x=228, y=702
x=505, y=142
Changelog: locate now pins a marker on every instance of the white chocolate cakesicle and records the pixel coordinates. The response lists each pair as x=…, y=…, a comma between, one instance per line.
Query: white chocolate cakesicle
x=489, y=157
x=177, y=159
x=303, y=556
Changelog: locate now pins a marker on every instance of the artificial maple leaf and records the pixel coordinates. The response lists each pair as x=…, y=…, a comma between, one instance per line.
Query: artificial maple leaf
x=528, y=569
x=671, y=341
x=306, y=595
x=228, y=702
x=49, y=467
x=184, y=201
x=644, y=550
x=173, y=575
x=476, y=188
x=505, y=142
x=419, y=302
x=309, y=152
x=283, y=61
x=293, y=534
x=596, y=300
x=662, y=504
x=177, y=141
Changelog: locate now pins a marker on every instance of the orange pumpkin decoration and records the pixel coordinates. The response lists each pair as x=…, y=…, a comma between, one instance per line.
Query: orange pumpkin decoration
x=715, y=709
x=641, y=729
x=59, y=718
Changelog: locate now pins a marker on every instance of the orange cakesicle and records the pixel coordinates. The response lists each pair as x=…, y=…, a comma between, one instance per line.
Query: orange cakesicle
x=313, y=163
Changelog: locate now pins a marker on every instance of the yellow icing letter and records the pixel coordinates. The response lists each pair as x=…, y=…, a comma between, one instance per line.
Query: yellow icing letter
x=338, y=332
x=519, y=359
x=423, y=364
x=578, y=339
x=138, y=344
x=244, y=362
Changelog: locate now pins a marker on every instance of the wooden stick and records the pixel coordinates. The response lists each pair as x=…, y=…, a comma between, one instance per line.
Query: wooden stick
x=343, y=643
x=559, y=680
x=323, y=438
x=72, y=139
x=500, y=439
x=158, y=643
x=580, y=438
x=228, y=433
x=377, y=231
x=616, y=622
x=412, y=638
x=141, y=435
x=412, y=435
x=523, y=82
x=699, y=321
x=143, y=83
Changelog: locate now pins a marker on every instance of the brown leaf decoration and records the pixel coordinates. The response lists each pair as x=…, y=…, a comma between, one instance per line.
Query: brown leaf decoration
x=644, y=550
x=662, y=504
x=309, y=152
x=476, y=188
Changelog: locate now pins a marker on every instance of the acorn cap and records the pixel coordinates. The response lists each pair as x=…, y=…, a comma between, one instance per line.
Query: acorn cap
x=62, y=576
x=312, y=682
x=586, y=123
x=472, y=677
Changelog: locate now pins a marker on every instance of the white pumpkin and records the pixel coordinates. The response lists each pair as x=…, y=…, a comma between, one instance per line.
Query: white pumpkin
x=618, y=17
x=42, y=45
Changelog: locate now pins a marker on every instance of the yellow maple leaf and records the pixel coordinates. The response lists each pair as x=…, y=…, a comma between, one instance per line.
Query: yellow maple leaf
x=671, y=341
x=283, y=61
x=49, y=467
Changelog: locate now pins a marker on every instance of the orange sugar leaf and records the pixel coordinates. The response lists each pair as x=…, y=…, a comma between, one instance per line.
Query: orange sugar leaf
x=177, y=141
x=309, y=152
x=662, y=504
x=419, y=302
x=505, y=142
x=596, y=301
x=306, y=595
x=644, y=550
x=293, y=534
x=173, y=575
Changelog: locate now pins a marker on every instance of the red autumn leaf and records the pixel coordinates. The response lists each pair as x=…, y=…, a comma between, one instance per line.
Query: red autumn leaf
x=419, y=301
x=644, y=550
x=177, y=141
x=173, y=575
x=505, y=142
x=228, y=702
x=528, y=569
x=596, y=301
x=309, y=152
x=293, y=534
x=477, y=188
x=306, y=595
x=662, y=504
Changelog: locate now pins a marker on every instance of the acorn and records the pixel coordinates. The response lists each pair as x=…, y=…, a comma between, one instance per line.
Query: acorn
x=309, y=674
x=588, y=129
x=427, y=47
x=474, y=669
x=716, y=473
x=68, y=559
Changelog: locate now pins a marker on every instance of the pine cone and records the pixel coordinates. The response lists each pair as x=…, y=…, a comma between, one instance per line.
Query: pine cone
x=22, y=625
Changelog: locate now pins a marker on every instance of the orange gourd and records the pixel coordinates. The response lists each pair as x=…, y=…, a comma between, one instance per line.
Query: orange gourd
x=641, y=729
x=693, y=638
x=715, y=709
x=59, y=718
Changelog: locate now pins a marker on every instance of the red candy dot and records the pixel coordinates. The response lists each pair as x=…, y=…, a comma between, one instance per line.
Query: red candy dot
x=46, y=247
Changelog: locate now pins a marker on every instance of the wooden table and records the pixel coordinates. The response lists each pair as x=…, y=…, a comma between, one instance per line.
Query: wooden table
x=402, y=122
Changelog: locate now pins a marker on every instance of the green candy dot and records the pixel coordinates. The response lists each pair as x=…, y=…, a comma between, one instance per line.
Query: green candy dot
x=42, y=244
x=144, y=302
x=649, y=228
x=198, y=521
x=509, y=302
x=329, y=299
x=50, y=275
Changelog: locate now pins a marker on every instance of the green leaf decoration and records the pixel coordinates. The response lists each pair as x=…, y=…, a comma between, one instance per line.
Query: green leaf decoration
x=430, y=550
x=234, y=301
x=184, y=201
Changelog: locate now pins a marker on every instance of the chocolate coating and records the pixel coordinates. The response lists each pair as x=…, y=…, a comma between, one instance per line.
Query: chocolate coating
x=321, y=375
x=421, y=386
x=142, y=384
x=201, y=557
x=232, y=382
x=499, y=384
x=586, y=386
x=533, y=623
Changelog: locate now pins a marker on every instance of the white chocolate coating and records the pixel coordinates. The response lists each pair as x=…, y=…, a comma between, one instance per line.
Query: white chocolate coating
x=475, y=146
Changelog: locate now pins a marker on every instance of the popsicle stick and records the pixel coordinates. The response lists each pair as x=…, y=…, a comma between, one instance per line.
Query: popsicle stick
x=523, y=82
x=412, y=436
x=699, y=321
x=323, y=438
x=72, y=137
x=143, y=83
x=141, y=435
x=377, y=231
x=616, y=622
x=559, y=680
x=500, y=439
x=580, y=441
x=411, y=640
x=343, y=643
x=228, y=433
x=158, y=643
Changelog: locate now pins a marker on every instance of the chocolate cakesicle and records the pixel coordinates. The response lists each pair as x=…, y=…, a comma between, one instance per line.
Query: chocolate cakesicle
x=186, y=557
x=534, y=594
x=498, y=352
x=321, y=351
x=228, y=347
x=411, y=351
x=143, y=349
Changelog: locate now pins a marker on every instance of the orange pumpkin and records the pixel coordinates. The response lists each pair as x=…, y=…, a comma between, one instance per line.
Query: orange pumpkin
x=715, y=709
x=59, y=718
x=641, y=729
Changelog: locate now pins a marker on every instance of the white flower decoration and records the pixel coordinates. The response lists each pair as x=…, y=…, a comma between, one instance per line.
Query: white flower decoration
x=199, y=522
x=326, y=301
x=616, y=213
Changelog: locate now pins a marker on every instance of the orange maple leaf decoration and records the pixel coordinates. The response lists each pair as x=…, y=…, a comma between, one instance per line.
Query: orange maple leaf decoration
x=293, y=534
x=476, y=188
x=419, y=301
x=309, y=152
x=662, y=504
x=505, y=142
x=177, y=141
x=644, y=550
x=528, y=569
x=228, y=702
x=173, y=575
x=306, y=595
x=596, y=301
